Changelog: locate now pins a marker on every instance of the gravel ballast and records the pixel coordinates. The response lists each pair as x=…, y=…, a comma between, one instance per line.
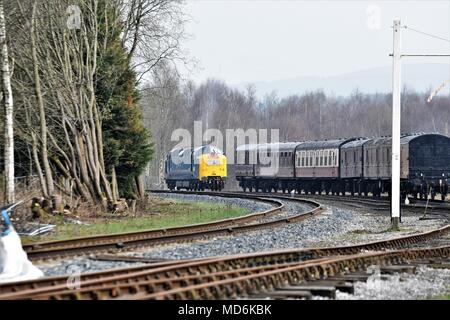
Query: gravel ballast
x=335, y=227
x=424, y=284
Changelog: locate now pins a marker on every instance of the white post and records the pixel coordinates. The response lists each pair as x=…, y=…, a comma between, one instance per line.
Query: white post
x=396, y=122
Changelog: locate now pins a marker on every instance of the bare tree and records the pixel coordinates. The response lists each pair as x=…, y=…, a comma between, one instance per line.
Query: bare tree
x=8, y=104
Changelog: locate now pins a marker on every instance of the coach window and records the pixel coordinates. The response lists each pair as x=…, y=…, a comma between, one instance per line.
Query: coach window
x=325, y=158
x=354, y=156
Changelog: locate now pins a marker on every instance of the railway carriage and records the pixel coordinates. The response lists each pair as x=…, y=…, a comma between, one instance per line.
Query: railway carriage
x=266, y=167
x=424, y=165
x=317, y=166
x=356, y=165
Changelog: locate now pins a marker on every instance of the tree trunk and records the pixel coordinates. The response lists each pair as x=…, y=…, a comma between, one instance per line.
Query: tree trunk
x=40, y=102
x=8, y=101
x=115, y=190
x=140, y=186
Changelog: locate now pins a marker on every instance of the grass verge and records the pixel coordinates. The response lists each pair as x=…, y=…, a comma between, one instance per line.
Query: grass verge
x=161, y=215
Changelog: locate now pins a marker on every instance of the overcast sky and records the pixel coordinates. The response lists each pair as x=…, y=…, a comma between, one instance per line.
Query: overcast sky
x=251, y=40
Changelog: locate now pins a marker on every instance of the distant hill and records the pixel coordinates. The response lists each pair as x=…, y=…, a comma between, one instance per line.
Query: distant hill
x=415, y=76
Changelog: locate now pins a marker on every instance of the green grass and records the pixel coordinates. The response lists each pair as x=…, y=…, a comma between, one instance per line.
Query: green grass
x=179, y=213
x=441, y=297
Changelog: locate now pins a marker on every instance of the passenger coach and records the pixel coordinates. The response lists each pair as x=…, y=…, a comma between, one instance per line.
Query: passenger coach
x=356, y=165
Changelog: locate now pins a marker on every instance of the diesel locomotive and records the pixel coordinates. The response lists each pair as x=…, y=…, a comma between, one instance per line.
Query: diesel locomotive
x=355, y=165
x=200, y=168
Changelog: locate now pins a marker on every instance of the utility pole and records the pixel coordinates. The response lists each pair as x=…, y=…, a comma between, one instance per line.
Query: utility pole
x=396, y=111
x=8, y=102
x=396, y=125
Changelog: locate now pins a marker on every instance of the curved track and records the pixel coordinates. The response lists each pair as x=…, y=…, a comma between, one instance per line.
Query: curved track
x=127, y=241
x=231, y=276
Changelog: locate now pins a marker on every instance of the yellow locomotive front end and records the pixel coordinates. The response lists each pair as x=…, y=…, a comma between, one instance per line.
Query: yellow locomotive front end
x=213, y=170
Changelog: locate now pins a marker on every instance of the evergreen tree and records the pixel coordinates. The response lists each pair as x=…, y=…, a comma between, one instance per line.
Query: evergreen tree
x=127, y=146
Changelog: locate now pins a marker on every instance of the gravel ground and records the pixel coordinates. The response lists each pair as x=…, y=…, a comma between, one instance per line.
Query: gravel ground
x=291, y=208
x=84, y=264
x=424, y=284
x=330, y=229
x=81, y=265
x=336, y=227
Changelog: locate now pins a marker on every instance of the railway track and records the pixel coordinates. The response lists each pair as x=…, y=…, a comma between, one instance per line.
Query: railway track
x=227, y=277
x=377, y=203
x=127, y=241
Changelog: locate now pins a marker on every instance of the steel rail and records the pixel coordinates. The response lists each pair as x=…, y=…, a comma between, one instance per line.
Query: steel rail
x=105, y=282
x=223, y=283
x=126, y=241
x=248, y=284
